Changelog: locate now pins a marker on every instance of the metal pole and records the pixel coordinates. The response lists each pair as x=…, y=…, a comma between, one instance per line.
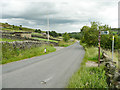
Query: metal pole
x=48, y=29
x=99, y=48
x=113, y=47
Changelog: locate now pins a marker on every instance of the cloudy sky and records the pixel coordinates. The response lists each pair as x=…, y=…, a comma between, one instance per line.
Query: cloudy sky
x=64, y=15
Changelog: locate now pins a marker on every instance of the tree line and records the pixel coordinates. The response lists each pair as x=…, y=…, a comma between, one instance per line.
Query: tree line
x=89, y=35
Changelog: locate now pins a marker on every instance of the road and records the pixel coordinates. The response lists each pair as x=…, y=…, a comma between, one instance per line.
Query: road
x=47, y=71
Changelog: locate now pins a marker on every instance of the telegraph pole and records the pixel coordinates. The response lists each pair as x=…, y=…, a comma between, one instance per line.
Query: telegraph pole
x=99, y=39
x=48, y=28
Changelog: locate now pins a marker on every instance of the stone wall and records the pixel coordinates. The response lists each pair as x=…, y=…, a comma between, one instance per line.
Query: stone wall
x=112, y=73
x=29, y=39
x=17, y=37
x=44, y=37
x=24, y=44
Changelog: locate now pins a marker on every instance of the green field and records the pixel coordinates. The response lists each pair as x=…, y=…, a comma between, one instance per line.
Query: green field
x=37, y=34
x=44, y=39
x=8, y=40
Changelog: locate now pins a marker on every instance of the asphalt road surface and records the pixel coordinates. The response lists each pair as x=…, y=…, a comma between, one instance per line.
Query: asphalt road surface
x=47, y=71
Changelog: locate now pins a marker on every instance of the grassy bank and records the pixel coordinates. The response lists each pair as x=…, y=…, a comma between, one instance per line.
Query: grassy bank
x=17, y=54
x=89, y=77
x=9, y=40
x=65, y=44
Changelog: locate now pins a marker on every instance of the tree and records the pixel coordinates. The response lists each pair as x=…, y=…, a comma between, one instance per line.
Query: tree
x=53, y=33
x=90, y=36
x=20, y=28
x=59, y=34
x=66, y=37
x=13, y=26
x=38, y=30
x=20, y=25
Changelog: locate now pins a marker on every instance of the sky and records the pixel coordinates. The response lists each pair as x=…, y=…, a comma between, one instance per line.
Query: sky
x=64, y=15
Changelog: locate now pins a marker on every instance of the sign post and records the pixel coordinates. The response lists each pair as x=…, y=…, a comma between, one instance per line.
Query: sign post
x=113, y=47
x=99, y=39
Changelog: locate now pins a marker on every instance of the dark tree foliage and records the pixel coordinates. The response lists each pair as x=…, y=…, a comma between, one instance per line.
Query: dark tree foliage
x=53, y=33
x=38, y=30
x=13, y=26
x=66, y=37
x=59, y=34
x=89, y=35
x=75, y=35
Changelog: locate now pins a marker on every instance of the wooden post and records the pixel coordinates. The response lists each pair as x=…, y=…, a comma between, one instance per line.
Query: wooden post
x=99, y=37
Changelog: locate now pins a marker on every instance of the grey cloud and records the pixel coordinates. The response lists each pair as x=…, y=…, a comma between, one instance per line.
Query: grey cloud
x=34, y=10
x=60, y=14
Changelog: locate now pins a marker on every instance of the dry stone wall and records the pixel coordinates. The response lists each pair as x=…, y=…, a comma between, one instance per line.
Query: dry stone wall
x=112, y=73
x=24, y=44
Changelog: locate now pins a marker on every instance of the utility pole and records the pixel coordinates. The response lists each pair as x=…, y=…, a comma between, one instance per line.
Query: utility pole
x=99, y=39
x=113, y=47
x=48, y=28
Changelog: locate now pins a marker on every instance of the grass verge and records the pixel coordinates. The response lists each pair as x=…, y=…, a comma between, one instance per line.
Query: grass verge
x=89, y=77
x=17, y=54
x=65, y=44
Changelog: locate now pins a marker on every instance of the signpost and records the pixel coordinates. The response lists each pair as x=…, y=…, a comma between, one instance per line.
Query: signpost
x=104, y=32
x=113, y=47
x=99, y=39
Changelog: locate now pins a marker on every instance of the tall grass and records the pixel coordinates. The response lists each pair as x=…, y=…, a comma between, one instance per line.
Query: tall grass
x=9, y=54
x=89, y=77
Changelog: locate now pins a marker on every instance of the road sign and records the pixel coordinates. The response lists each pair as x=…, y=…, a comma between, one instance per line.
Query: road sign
x=104, y=32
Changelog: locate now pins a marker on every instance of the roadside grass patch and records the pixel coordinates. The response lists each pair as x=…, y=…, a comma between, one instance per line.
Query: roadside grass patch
x=89, y=77
x=9, y=54
x=65, y=44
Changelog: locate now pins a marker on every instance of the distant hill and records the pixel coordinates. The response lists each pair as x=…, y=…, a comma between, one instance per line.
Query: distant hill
x=6, y=26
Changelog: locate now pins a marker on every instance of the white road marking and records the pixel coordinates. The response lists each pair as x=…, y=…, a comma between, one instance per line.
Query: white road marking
x=46, y=80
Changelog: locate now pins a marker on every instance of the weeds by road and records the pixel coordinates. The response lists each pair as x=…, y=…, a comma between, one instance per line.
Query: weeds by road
x=15, y=55
x=89, y=77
